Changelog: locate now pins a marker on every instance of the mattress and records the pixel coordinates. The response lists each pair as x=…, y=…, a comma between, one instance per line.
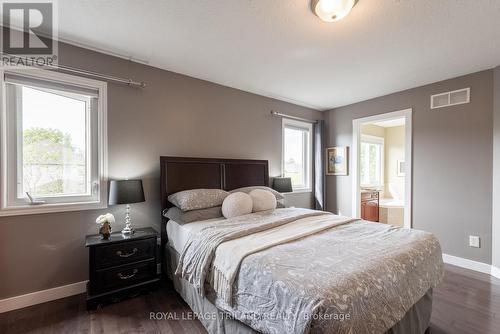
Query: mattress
x=178, y=234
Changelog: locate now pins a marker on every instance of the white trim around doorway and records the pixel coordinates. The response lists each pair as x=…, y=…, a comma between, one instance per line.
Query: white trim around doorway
x=356, y=140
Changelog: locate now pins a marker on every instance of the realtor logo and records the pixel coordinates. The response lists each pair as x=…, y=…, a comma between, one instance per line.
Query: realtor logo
x=28, y=34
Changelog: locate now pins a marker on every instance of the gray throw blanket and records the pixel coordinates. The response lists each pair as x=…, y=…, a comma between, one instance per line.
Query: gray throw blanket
x=197, y=255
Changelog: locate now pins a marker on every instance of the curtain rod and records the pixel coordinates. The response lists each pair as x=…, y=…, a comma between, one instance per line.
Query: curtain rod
x=278, y=114
x=126, y=81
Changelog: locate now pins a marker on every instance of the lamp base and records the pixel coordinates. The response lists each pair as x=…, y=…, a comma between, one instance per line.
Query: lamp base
x=127, y=230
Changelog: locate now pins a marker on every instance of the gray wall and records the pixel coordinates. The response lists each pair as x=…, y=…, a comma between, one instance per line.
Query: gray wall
x=174, y=115
x=452, y=161
x=496, y=171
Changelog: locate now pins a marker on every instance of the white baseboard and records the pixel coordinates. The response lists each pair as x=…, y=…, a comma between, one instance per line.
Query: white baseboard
x=43, y=296
x=472, y=265
x=495, y=272
x=467, y=264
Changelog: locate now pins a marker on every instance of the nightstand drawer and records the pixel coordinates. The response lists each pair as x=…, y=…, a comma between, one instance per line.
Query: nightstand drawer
x=119, y=277
x=124, y=252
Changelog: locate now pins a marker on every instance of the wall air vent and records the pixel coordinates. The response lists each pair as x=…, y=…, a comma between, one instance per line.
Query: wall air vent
x=449, y=99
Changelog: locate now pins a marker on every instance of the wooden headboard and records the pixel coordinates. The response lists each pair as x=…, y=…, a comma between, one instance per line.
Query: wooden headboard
x=178, y=173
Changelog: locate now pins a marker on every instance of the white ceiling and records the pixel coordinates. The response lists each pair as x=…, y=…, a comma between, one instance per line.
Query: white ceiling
x=280, y=49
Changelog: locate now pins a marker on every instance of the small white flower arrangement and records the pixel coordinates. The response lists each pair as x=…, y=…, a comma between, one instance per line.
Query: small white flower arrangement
x=108, y=217
x=104, y=222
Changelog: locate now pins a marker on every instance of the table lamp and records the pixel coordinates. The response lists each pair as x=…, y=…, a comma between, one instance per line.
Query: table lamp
x=126, y=192
x=282, y=184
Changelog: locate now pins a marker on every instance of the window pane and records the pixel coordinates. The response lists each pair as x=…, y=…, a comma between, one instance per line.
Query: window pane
x=294, y=153
x=372, y=168
x=371, y=164
x=363, y=164
x=54, y=143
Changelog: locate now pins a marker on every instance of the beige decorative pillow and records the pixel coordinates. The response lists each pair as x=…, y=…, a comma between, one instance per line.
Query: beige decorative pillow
x=196, y=199
x=249, y=189
x=237, y=204
x=262, y=200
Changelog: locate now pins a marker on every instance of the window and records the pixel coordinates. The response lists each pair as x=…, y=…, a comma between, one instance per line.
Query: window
x=297, y=151
x=54, y=143
x=372, y=161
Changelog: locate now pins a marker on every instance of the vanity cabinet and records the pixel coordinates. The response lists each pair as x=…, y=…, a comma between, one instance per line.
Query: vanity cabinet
x=370, y=205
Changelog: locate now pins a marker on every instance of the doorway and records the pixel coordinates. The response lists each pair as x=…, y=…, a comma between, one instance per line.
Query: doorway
x=382, y=152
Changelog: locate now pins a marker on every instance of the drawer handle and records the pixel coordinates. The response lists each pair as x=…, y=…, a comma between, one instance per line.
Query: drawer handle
x=134, y=272
x=121, y=254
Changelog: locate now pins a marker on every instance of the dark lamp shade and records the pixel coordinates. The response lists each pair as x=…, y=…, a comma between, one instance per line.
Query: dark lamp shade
x=282, y=184
x=125, y=192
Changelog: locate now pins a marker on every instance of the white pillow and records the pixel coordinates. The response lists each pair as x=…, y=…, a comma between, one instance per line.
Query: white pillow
x=247, y=190
x=262, y=200
x=237, y=204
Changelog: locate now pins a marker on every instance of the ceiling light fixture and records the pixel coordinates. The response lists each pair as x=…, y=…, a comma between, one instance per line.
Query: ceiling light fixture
x=332, y=10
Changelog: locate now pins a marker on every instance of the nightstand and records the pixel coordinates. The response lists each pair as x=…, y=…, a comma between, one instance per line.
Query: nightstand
x=121, y=266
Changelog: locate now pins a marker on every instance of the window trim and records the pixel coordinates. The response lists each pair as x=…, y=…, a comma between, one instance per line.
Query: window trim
x=291, y=123
x=379, y=141
x=102, y=145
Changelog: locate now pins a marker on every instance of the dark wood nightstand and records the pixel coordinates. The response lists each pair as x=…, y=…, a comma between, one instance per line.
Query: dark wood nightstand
x=121, y=266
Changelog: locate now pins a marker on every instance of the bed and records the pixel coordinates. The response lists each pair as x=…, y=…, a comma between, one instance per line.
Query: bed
x=349, y=276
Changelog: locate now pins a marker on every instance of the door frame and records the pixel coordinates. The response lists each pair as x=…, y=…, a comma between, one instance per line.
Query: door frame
x=356, y=141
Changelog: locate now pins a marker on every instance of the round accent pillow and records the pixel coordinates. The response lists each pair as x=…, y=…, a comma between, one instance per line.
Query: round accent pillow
x=262, y=200
x=237, y=204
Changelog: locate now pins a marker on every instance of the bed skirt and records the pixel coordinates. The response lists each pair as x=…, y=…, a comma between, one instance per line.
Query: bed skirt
x=215, y=321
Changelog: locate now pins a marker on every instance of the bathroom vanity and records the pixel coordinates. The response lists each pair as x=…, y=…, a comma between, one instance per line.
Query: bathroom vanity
x=370, y=205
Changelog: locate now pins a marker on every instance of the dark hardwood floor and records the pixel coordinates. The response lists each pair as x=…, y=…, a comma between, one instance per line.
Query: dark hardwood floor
x=466, y=302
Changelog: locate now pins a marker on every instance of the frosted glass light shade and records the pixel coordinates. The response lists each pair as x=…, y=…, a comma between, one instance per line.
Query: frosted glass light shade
x=332, y=10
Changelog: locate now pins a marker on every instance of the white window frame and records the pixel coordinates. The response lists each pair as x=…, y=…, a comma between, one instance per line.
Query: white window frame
x=378, y=141
x=100, y=170
x=291, y=123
